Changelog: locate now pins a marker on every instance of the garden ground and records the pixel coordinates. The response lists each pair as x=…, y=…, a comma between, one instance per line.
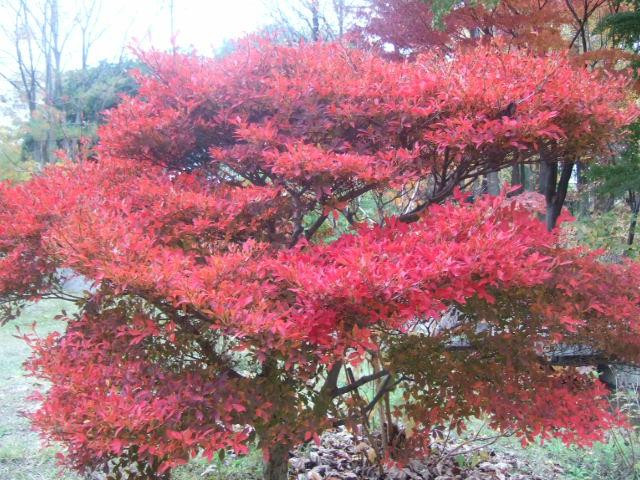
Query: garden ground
x=23, y=458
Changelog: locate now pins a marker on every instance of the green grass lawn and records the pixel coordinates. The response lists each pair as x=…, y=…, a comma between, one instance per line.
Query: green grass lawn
x=616, y=459
x=21, y=455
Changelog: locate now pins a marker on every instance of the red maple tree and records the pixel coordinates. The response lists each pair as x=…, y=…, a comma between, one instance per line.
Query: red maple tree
x=539, y=25
x=221, y=310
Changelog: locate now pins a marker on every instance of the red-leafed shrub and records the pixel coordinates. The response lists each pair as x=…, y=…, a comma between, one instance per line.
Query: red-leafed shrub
x=218, y=312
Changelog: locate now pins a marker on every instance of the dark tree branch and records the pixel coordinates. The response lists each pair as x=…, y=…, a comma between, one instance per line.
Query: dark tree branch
x=310, y=232
x=358, y=383
x=379, y=394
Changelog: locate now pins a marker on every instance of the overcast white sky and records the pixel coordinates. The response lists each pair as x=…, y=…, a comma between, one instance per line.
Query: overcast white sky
x=202, y=24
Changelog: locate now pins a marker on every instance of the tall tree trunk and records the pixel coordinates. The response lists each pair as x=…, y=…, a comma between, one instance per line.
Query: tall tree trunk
x=518, y=178
x=48, y=145
x=604, y=203
x=634, y=202
x=277, y=466
x=315, y=20
x=493, y=183
x=545, y=172
x=583, y=193
x=339, y=7
x=56, y=51
x=554, y=190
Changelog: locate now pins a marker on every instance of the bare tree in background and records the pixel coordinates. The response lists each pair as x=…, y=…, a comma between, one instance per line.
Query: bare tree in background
x=26, y=56
x=87, y=18
x=38, y=46
x=88, y=14
x=39, y=34
x=314, y=20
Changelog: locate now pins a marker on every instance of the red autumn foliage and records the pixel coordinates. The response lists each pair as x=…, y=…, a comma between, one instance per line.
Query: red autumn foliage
x=539, y=25
x=410, y=25
x=216, y=313
x=322, y=115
